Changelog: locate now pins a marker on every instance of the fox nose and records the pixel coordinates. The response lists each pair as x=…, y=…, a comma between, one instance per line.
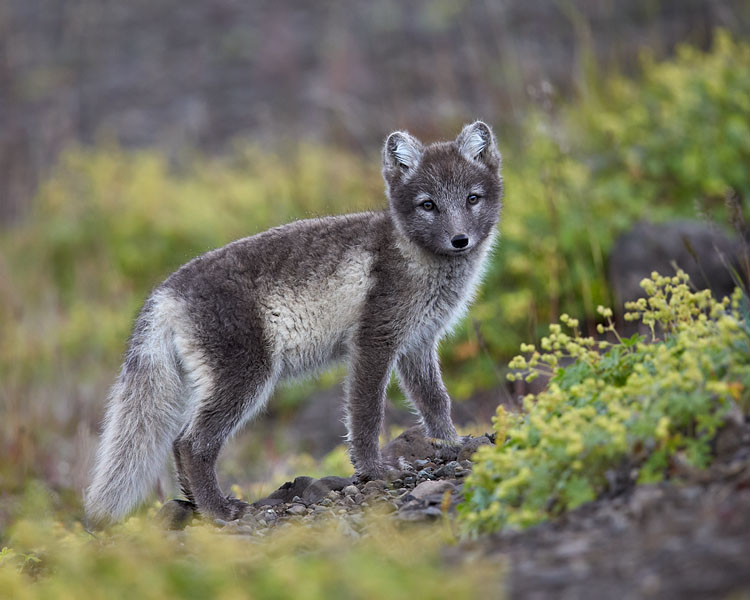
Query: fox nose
x=460, y=240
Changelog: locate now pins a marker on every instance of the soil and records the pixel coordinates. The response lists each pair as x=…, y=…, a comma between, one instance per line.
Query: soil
x=684, y=538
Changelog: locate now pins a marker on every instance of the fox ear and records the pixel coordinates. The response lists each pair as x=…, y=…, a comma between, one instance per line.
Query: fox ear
x=401, y=154
x=477, y=142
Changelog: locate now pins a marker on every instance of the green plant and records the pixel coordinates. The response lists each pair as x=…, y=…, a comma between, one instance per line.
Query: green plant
x=641, y=401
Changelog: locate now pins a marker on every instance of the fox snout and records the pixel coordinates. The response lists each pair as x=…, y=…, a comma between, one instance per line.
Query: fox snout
x=459, y=241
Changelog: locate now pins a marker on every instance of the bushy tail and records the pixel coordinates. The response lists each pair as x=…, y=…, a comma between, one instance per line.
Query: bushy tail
x=144, y=415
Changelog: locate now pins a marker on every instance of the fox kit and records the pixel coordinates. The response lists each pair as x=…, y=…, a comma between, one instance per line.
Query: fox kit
x=376, y=289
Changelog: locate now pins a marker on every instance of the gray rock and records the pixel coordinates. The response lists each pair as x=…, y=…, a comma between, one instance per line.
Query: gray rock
x=297, y=509
x=374, y=486
x=350, y=490
x=470, y=446
x=267, y=502
x=429, y=488
x=290, y=489
x=698, y=248
x=411, y=445
x=319, y=489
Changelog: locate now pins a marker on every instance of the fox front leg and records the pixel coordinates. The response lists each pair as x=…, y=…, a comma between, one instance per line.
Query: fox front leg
x=369, y=372
x=421, y=381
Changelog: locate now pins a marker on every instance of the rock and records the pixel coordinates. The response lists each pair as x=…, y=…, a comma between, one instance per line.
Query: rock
x=297, y=509
x=426, y=473
x=176, y=514
x=429, y=488
x=374, y=486
x=319, y=489
x=350, y=490
x=290, y=489
x=268, y=502
x=698, y=248
x=470, y=447
x=270, y=516
x=448, y=470
x=411, y=445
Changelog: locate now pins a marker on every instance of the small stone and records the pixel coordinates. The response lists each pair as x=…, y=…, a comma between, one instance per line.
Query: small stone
x=410, y=480
x=297, y=509
x=326, y=502
x=297, y=500
x=429, y=488
x=333, y=495
x=359, y=499
x=350, y=490
x=220, y=522
x=376, y=485
x=319, y=509
x=421, y=463
x=320, y=488
x=270, y=516
x=470, y=447
x=426, y=473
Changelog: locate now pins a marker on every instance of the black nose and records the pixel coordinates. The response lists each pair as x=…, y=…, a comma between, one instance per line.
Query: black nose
x=460, y=240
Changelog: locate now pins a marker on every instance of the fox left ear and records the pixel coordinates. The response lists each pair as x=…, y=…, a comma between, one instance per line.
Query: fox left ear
x=477, y=142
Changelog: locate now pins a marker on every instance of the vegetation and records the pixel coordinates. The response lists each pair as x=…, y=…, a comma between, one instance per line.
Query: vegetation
x=640, y=403
x=137, y=560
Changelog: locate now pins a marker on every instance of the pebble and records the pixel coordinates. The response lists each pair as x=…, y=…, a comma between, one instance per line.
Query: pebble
x=428, y=488
x=375, y=485
x=270, y=516
x=297, y=509
x=350, y=490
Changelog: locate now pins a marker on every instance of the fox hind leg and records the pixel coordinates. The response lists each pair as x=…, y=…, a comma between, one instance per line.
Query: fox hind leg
x=215, y=419
x=182, y=476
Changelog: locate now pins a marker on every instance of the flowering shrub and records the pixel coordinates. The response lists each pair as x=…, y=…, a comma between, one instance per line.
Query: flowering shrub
x=638, y=402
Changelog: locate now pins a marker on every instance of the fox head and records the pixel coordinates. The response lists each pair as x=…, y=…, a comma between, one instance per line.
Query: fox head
x=445, y=197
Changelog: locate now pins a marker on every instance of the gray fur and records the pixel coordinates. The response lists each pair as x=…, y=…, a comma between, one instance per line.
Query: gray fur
x=377, y=289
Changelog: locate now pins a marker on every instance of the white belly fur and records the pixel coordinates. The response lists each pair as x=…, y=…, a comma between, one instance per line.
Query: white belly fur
x=309, y=324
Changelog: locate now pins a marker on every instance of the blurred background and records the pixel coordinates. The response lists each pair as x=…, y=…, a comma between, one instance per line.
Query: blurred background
x=134, y=136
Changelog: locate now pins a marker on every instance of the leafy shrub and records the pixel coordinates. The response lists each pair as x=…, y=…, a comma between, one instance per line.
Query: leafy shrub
x=639, y=402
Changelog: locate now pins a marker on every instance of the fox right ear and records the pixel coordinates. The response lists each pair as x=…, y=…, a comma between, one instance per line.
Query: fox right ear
x=401, y=154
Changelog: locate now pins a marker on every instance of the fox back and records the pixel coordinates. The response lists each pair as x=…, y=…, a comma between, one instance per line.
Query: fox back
x=376, y=289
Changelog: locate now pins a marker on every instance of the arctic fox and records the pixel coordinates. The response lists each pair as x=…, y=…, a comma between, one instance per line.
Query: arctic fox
x=376, y=289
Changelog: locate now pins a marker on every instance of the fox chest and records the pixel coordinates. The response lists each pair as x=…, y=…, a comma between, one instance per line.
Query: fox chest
x=437, y=301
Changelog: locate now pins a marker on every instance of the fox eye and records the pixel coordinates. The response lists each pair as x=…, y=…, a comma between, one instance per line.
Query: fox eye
x=472, y=199
x=427, y=205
